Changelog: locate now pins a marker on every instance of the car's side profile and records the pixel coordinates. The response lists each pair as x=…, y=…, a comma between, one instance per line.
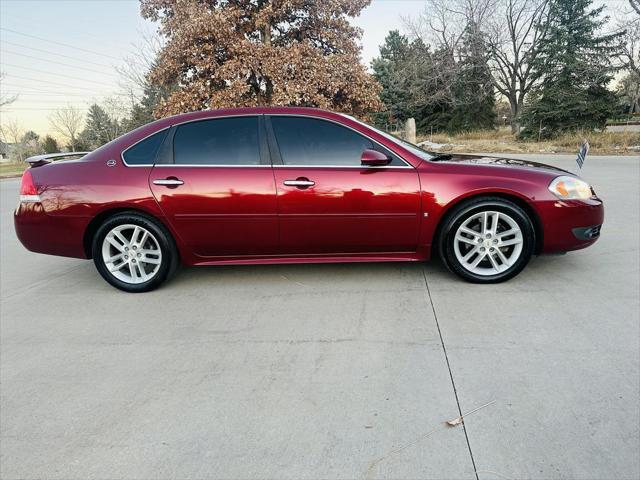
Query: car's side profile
x=294, y=185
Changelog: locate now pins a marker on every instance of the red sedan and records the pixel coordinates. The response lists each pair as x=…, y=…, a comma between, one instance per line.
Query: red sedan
x=295, y=185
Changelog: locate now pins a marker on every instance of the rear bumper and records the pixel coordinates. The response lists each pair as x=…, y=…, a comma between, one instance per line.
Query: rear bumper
x=571, y=225
x=49, y=234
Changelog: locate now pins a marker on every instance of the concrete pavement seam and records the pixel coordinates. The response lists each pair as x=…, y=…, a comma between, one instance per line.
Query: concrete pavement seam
x=453, y=383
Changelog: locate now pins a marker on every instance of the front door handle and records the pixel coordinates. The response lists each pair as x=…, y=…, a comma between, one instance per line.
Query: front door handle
x=168, y=182
x=300, y=183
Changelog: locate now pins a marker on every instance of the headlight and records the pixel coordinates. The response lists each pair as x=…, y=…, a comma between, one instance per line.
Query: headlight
x=570, y=188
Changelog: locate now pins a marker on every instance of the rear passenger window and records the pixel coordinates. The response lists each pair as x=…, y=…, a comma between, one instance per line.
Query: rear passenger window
x=145, y=151
x=223, y=141
x=311, y=141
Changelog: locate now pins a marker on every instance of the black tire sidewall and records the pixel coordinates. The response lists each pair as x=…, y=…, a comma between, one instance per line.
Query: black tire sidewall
x=165, y=241
x=462, y=213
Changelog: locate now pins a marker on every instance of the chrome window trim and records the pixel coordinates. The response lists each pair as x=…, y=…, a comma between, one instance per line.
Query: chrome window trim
x=375, y=142
x=157, y=165
x=173, y=165
x=134, y=144
x=182, y=123
x=191, y=165
x=368, y=167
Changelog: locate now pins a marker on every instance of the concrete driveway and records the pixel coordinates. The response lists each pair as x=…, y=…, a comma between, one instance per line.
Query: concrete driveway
x=328, y=371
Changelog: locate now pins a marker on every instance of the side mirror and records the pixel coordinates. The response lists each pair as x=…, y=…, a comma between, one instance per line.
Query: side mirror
x=374, y=158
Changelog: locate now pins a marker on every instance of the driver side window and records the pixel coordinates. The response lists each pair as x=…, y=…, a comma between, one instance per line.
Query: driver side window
x=315, y=142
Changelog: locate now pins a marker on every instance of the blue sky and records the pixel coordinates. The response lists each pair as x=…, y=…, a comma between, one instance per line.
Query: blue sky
x=55, y=53
x=64, y=52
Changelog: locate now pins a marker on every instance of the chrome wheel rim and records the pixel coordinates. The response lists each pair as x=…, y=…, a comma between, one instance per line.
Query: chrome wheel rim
x=131, y=254
x=488, y=243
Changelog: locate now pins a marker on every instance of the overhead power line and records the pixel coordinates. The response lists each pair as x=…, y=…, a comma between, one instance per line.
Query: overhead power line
x=13, y=20
x=15, y=109
x=38, y=91
x=30, y=101
x=43, y=93
x=4, y=42
x=68, y=65
x=36, y=70
x=58, y=43
x=53, y=83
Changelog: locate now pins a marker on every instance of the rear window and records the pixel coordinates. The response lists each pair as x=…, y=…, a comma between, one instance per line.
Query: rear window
x=145, y=151
x=221, y=141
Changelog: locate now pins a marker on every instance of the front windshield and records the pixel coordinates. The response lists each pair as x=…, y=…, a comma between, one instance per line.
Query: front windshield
x=417, y=151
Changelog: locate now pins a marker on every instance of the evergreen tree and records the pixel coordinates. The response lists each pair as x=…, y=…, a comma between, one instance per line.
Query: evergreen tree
x=50, y=144
x=449, y=88
x=575, y=63
x=98, y=127
x=30, y=144
x=30, y=137
x=388, y=70
x=473, y=99
x=143, y=112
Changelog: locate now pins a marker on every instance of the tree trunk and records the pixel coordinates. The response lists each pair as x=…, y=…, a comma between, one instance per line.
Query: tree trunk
x=635, y=103
x=516, y=110
x=265, y=99
x=515, y=128
x=266, y=34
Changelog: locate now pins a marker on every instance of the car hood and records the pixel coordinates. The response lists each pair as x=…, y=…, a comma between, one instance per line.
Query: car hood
x=470, y=159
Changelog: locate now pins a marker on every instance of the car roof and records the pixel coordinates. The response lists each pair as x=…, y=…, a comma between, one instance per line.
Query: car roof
x=222, y=112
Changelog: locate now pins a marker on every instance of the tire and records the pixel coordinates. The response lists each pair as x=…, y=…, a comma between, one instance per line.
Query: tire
x=138, y=255
x=505, y=248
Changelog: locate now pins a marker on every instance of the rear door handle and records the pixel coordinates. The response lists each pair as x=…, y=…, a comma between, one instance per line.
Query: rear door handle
x=300, y=183
x=168, y=182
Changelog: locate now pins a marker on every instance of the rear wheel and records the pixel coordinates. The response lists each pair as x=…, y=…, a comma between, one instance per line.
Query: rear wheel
x=134, y=253
x=487, y=240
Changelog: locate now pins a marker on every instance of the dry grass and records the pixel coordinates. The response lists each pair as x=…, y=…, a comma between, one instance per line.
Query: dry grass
x=12, y=169
x=501, y=140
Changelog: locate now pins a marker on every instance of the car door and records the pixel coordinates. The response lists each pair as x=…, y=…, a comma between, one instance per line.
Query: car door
x=216, y=187
x=328, y=203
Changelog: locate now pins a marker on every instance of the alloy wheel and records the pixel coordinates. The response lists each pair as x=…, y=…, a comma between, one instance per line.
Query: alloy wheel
x=131, y=253
x=488, y=243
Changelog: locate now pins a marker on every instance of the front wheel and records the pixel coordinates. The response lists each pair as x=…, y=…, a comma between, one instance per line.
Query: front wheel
x=487, y=240
x=134, y=253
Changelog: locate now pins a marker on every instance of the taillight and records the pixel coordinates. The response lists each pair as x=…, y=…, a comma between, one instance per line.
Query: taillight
x=28, y=190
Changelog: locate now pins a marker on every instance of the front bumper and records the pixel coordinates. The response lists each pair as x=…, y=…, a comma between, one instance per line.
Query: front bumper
x=570, y=224
x=587, y=233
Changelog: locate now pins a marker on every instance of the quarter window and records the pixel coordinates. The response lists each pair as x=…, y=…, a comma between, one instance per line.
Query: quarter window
x=223, y=141
x=311, y=141
x=145, y=151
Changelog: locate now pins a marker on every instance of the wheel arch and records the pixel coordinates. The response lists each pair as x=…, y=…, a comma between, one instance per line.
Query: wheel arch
x=518, y=200
x=104, y=215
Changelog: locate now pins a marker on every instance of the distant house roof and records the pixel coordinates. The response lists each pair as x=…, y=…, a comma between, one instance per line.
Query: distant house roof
x=4, y=148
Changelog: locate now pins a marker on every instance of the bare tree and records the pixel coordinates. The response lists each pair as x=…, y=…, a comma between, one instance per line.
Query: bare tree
x=515, y=32
x=137, y=65
x=117, y=110
x=441, y=27
x=67, y=122
x=443, y=22
x=6, y=99
x=511, y=31
x=630, y=56
x=13, y=133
